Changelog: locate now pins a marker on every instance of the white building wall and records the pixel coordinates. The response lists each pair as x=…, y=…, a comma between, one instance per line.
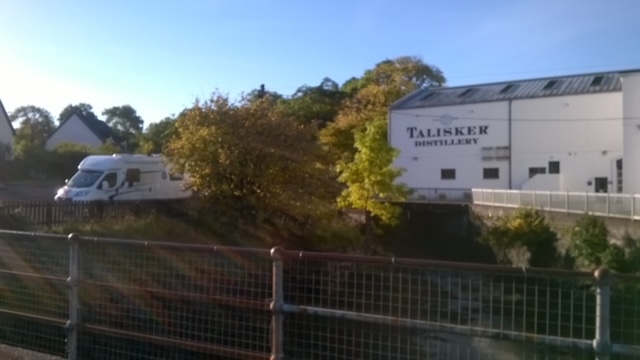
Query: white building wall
x=427, y=144
x=583, y=132
x=6, y=133
x=73, y=131
x=631, y=112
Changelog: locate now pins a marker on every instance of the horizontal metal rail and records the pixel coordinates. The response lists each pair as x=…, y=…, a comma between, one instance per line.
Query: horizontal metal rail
x=427, y=264
x=614, y=205
x=44, y=319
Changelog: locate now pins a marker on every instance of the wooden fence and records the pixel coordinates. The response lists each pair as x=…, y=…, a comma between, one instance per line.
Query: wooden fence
x=51, y=213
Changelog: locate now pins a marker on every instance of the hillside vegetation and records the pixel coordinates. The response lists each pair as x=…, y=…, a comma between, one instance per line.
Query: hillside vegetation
x=268, y=168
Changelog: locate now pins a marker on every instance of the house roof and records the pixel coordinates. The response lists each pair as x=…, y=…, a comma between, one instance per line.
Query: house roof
x=98, y=127
x=3, y=111
x=510, y=90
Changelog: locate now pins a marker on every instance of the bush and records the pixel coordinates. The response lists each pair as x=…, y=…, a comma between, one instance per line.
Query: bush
x=524, y=238
x=591, y=247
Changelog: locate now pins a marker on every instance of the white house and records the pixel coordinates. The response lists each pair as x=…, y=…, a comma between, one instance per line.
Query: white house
x=80, y=129
x=7, y=133
x=568, y=133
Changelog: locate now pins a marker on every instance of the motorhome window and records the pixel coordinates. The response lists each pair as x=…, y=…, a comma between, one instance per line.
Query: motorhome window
x=111, y=179
x=84, y=179
x=175, y=176
x=133, y=175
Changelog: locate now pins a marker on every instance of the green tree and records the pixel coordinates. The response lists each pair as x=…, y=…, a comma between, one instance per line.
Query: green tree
x=374, y=93
x=157, y=135
x=406, y=74
x=351, y=86
x=127, y=124
x=84, y=109
x=311, y=104
x=36, y=125
x=524, y=238
x=591, y=247
x=247, y=154
x=263, y=95
x=370, y=177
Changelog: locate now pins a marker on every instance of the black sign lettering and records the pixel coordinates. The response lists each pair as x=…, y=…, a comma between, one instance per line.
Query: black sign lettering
x=448, y=136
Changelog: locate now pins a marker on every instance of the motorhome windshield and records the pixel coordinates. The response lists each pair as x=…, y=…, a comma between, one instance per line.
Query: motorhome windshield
x=84, y=179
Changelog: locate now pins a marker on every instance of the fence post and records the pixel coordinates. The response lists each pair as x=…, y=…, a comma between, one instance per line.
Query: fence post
x=586, y=202
x=602, y=341
x=535, y=203
x=608, y=204
x=49, y=214
x=277, y=301
x=74, y=303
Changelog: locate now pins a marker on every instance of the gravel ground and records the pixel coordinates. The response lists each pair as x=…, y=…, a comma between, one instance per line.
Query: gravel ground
x=13, y=353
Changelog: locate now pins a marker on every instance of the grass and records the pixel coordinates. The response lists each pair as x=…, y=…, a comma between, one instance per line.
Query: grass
x=150, y=228
x=181, y=230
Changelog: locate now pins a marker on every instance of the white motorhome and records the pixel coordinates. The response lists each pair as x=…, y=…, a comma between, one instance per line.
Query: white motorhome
x=121, y=177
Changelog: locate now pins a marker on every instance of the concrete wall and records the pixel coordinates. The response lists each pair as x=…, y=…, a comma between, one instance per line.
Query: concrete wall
x=631, y=112
x=563, y=222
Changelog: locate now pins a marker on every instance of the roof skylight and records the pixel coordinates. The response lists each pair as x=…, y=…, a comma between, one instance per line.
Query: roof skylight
x=597, y=81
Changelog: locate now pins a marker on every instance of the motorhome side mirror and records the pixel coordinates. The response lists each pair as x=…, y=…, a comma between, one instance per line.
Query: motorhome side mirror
x=105, y=185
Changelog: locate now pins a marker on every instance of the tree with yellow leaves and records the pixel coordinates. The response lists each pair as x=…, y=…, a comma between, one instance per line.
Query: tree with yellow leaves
x=370, y=177
x=248, y=154
x=372, y=96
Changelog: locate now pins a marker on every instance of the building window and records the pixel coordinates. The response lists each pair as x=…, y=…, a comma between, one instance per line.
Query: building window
x=597, y=81
x=466, y=93
x=533, y=171
x=429, y=95
x=448, y=174
x=619, y=175
x=550, y=85
x=507, y=88
x=554, y=167
x=491, y=173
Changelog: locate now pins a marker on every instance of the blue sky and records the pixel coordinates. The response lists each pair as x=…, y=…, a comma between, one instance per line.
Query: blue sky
x=158, y=56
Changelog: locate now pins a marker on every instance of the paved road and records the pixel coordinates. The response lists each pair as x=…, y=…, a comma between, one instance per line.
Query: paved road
x=28, y=191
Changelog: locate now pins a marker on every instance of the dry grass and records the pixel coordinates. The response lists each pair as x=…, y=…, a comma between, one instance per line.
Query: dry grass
x=149, y=228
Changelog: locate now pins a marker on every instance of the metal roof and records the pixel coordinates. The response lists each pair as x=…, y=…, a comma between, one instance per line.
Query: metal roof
x=519, y=89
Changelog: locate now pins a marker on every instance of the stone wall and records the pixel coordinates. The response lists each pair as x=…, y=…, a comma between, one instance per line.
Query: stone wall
x=562, y=222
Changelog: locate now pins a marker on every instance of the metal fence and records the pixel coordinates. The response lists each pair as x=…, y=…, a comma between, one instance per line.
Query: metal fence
x=96, y=298
x=50, y=213
x=602, y=204
x=441, y=194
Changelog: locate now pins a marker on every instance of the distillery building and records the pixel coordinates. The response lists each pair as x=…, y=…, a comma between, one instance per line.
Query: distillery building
x=569, y=133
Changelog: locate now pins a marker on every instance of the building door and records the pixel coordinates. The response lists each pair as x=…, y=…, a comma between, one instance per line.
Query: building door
x=601, y=185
